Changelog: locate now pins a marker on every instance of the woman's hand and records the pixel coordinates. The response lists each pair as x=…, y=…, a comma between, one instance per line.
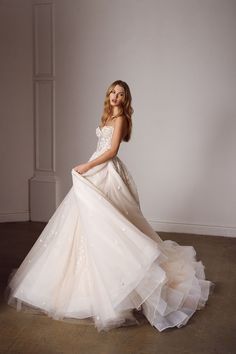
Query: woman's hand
x=84, y=167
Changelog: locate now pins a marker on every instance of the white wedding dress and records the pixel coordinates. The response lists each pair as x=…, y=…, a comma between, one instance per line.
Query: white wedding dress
x=99, y=259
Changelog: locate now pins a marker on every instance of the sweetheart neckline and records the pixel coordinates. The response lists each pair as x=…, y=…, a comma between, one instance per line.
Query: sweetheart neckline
x=106, y=126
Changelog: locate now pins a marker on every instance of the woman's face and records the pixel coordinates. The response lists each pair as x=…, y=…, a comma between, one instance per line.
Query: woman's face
x=117, y=95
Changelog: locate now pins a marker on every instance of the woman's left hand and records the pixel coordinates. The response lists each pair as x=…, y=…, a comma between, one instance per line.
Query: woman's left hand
x=84, y=167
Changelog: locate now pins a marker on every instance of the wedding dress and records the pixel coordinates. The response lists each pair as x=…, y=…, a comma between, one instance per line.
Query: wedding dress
x=99, y=259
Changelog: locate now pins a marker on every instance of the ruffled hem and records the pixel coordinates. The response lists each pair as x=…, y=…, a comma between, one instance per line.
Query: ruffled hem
x=95, y=263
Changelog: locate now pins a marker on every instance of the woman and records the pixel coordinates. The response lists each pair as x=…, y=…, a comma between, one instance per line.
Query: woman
x=98, y=258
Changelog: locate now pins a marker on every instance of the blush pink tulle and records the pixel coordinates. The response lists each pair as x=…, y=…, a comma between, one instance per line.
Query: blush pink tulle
x=98, y=258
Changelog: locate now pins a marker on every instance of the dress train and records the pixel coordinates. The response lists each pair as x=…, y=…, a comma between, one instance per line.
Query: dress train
x=98, y=258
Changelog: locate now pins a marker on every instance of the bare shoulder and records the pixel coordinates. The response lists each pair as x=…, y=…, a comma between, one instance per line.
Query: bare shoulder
x=121, y=122
x=118, y=120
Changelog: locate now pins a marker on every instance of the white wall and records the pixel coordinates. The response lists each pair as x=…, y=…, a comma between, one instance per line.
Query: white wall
x=16, y=109
x=179, y=59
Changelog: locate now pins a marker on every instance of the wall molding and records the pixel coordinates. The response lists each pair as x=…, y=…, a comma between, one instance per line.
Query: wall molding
x=44, y=184
x=196, y=229
x=159, y=226
x=48, y=9
x=15, y=216
x=38, y=84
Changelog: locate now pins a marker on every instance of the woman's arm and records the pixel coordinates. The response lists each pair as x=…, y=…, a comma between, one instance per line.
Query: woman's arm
x=115, y=144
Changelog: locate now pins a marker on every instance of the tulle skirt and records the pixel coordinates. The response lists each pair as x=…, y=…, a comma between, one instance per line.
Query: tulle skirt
x=98, y=259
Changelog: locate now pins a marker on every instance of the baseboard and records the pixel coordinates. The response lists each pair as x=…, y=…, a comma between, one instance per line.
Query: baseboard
x=14, y=217
x=197, y=229
x=161, y=226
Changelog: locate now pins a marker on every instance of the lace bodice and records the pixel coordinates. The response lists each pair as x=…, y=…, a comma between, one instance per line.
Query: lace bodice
x=104, y=135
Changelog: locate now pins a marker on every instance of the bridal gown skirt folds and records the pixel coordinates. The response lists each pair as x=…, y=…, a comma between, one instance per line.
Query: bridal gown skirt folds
x=99, y=259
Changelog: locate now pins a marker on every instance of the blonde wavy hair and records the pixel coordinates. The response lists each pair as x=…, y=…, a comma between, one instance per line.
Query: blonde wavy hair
x=125, y=109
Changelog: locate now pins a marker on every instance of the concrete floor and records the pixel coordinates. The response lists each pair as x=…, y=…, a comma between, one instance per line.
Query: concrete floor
x=210, y=330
